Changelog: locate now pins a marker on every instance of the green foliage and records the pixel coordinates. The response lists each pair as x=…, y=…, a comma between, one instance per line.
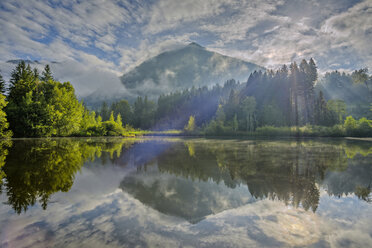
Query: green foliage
x=22, y=81
x=338, y=107
x=124, y=109
x=248, y=109
x=2, y=85
x=47, y=74
x=119, y=120
x=144, y=113
x=4, y=132
x=358, y=128
x=104, y=112
x=50, y=108
x=37, y=168
x=271, y=115
x=190, y=127
x=360, y=76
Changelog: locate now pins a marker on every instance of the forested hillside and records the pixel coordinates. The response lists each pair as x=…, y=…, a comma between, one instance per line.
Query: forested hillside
x=290, y=101
x=176, y=70
x=290, y=96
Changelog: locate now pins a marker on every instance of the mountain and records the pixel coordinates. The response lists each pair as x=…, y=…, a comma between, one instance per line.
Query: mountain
x=27, y=61
x=183, y=68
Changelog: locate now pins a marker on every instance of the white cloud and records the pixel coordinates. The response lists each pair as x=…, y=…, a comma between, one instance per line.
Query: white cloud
x=114, y=36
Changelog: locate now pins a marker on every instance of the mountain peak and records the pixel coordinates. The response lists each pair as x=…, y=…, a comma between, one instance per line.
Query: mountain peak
x=194, y=44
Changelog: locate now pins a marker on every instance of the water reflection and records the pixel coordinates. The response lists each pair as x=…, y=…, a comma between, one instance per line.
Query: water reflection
x=35, y=169
x=191, y=178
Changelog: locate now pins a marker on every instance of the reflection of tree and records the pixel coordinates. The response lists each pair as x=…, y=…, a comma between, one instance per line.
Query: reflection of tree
x=4, y=146
x=35, y=169
x=289, y=171
x=364, y=193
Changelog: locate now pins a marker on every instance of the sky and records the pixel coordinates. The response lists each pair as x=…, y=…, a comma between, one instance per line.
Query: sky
x=106, y=38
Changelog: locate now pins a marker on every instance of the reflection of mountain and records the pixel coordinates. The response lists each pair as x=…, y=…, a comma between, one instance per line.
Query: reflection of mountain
x=181, y=197
x=191, y=179
x=187, y=177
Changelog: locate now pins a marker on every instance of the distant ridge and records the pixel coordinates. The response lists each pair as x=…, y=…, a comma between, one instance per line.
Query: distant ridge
x=183, y=68
x=27, y=61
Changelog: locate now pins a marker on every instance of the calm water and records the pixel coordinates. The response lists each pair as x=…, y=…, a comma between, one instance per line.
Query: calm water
x=173, y=192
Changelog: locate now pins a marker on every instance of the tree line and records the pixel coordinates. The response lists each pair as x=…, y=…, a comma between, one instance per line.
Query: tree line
x=39, y=106
x=288, y=97
x=36, y=105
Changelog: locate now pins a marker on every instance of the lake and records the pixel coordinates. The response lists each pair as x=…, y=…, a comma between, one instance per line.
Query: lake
x=185, y=192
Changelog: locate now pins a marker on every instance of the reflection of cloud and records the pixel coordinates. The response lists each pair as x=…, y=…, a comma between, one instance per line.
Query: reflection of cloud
x=96, y=214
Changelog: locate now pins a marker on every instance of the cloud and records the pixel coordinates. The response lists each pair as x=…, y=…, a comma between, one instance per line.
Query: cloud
x=114, y=36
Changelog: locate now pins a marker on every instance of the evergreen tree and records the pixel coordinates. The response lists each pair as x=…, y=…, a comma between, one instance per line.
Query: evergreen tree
x=2, y=85
x=339, y=108
x=111, y=119
x=220, y=115
x=22, y=81
x=248, y=108
x=36, y=73
x=104, y=112
x=47, y=74
x=235, y=124
x=190, y=127
x=4, y=132
x=321, y=111
x=119, y=120
x=123, y=108
x=294, y=93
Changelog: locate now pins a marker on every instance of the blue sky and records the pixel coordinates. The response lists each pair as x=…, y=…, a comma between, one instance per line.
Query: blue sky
x=113, y=36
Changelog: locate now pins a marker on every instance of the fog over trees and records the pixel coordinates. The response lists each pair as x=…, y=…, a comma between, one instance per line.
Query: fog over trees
x=281, y=101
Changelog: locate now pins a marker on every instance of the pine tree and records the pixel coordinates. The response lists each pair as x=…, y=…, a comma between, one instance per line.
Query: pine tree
x=36, y=73
x=320, y=115
x=22, y=81
x=235, y=123
x=4, y=133
x=294, y=92
x=104, y=112
x=2, y=85
x=111, y=119
x=47, y=74
x=190, y=127
x=118, y=120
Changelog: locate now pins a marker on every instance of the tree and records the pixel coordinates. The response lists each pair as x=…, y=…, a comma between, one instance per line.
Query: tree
x=46, y=108
x=321, y=110
x=248, y=108
x=350, y=125
x=235, y=124
x=123, y=108
x=271, y=115
x=22, y=81
x=47, y=74
x=338, y=107
x=220, y=115
x=144, y=113
x=119, y=120
x=190, y=127
x=65, y=111
x=294, y=93
x=4, y=133
x=2, y=85
x=360, y=76
x=111, y=119
x=104, y=112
